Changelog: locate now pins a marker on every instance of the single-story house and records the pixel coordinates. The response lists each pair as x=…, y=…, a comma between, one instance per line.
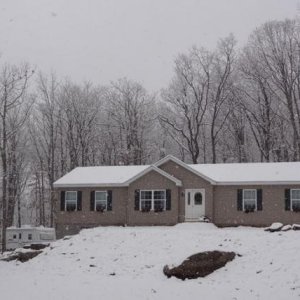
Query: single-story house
x=171, y=191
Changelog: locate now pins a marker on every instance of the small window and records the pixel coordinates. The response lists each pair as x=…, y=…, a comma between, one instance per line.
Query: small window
x=249, y=200
x=14, y=236
x=46, y=236
x=29, y=236
x=100, y=201
x=71, y=201
x=20, y=236
x=295, y=200
x=198, y=199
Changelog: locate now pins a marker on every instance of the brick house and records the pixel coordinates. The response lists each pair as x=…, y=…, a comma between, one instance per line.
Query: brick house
x=171, y=191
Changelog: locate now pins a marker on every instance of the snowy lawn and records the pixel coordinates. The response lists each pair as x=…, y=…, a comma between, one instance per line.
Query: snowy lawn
x=126, y=263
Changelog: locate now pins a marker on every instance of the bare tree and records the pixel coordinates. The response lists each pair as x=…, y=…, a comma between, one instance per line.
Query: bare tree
x=186, y=100
x=13, y=85
x=44, y=137
x=80, y=107
x=17, y=161
x=275, y=46
x=235, y=139
x=259, y=102
x=130, y=116
x=222, y=89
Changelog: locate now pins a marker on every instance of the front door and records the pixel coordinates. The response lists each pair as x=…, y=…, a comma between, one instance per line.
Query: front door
x=194, y=204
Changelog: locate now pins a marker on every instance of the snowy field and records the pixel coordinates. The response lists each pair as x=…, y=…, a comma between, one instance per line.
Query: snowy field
x=126, y=263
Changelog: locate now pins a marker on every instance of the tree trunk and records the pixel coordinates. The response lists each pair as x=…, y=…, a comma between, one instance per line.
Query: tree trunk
x=4, y=179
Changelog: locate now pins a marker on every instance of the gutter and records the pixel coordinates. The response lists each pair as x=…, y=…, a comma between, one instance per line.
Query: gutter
x=257, y=183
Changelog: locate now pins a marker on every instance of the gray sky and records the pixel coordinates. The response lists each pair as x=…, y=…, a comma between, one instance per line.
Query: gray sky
x=103, y=40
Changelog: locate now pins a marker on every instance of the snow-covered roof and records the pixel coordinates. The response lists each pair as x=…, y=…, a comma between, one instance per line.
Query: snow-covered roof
x=242, y=173
x=30, y=228
x=251, y=173
x=108, y=176
x=217, y=174
x=25, y=226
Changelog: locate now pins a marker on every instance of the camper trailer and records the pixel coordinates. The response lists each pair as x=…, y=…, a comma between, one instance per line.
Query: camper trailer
x=27, y=235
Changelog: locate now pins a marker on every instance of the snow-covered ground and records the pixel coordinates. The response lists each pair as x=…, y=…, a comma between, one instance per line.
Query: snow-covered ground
x=126, y=263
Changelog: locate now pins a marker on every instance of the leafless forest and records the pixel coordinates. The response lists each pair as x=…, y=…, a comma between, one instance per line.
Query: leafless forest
x=227, y=105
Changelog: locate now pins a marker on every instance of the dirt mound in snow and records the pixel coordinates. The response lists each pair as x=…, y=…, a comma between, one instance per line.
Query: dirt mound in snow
x=200, y=264
x=36, y=246
x=22, y=256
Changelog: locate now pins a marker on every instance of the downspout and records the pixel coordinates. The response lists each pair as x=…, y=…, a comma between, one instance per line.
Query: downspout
x=126, y=207
x=213, y=204
x=179, y=203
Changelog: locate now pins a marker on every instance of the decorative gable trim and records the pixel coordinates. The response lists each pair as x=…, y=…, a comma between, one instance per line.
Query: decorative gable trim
x=184, y=165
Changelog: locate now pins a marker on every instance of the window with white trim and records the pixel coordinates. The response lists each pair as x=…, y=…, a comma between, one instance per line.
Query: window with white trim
x=71, y=201
x=153, y=200
x=295, y=199
x=250, y=200
x=100, y=200
x=146, y=200
x=159, y=200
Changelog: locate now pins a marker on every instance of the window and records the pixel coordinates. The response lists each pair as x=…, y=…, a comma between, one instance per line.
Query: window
x=198, y=199
x=159, y=200
x=46, y=236
x=71, y=201
x=249, y=200
x=20, y=236
x=100, y=200
x=153, y=200
x=14, y=236
x=30, y=236
x=146, y=200
x=295, y=200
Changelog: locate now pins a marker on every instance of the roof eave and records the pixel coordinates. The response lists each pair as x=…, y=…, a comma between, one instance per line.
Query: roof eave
x=227, y=183
x=81, y=185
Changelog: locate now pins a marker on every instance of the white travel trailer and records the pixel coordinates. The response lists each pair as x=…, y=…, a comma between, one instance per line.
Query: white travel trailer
x=27, y=235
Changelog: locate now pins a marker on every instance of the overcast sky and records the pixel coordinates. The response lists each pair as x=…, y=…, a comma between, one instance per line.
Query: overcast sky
x=103, y=40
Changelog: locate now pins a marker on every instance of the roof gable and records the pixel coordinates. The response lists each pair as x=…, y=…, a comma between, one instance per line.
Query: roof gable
x=158, y=170
x=184, y=165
